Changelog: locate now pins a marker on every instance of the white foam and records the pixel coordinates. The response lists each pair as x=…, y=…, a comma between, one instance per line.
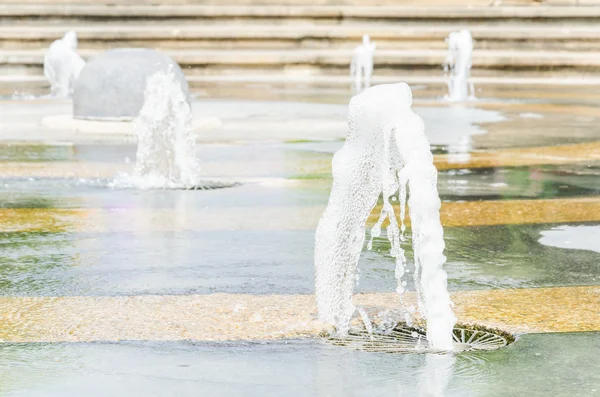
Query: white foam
x=62, y=65
x=166, y=142
x=458, y=66
x=386, y=150
x=361, y=68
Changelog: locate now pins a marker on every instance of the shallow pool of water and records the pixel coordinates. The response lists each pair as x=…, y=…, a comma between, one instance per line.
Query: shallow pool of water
x=66, y=232
x=536, y=365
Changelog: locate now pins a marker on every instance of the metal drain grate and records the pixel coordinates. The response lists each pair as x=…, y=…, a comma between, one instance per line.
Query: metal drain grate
x=211, y=185
x=404, y=339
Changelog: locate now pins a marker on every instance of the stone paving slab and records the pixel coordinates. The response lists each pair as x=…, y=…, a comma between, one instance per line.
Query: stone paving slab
x=289, y=11
x=139, y=220
x=515, y=212
x=249, y=317
x=514, y=157
x=62, y=169
x=547, y=155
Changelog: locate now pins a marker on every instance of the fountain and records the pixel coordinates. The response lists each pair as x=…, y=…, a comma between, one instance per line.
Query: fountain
x=386, y=150
x=361, y=67
x=62, y=65
x=166, y=142
x=457, y=66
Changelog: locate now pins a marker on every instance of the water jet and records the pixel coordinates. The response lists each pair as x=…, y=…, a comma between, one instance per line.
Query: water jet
x=62, y=65
x=386, y=151
x=361, y=67
x=457, y=66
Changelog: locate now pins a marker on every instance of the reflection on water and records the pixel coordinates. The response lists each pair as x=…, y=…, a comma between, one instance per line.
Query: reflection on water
x=76, y=237
x=291, y=368
x=90, y=263
x=453, y=125
x=536, y=365
x=504, y=256
x=79, y=262
x=119, y=251
x=572, y=237
x=435, y=375
x=511, y=256
x=518, y=183
x=36, y=152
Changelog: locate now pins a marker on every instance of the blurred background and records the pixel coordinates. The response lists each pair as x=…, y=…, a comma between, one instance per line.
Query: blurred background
x=304, y=47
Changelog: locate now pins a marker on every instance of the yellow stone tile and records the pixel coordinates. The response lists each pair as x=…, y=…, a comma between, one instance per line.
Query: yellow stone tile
x=559, y=309
x=547, y=155
x=567, y=309
x=565, y=154
x=506, y=212
x=142, y=220
x=547, y=108
x=61, y=169
x=253, y=317
x=38, y=219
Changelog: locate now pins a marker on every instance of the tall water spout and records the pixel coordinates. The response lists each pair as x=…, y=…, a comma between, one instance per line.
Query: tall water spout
x=166, y=142
x=386, y=150
x=361, y=68
x=457, y=66
x=62, y=65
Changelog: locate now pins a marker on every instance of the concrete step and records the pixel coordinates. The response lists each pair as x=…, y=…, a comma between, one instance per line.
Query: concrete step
x=302, y=36
x=222, y=86
x=429, y=3
x=324, y=62
x=304, y=39
x=25, y=13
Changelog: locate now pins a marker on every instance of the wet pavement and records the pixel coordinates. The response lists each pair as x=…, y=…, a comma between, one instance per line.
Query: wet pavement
x=537, y=365
x=519, y=184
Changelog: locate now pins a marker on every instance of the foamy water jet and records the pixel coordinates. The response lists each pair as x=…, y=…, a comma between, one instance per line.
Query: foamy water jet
x=457, y=66
x=361, y=68
x=62, y=65
x=166, y=142
x=386, y=151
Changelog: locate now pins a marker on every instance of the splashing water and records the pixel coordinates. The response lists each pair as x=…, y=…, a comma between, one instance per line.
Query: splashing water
x=62, y=65
x=457, y=66
x=361, y=68
x=436, y=375
x=166, y=142
x=366, y=320
x=386, y=150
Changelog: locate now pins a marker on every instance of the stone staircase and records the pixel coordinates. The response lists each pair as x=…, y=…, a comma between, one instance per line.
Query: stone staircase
x=311, y=41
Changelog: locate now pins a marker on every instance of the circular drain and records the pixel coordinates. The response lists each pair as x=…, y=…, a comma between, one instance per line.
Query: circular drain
x=404, y=339
x=211, y=185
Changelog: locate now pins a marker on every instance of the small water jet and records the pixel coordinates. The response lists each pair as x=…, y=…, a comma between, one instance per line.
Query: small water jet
x=386, y=150
x=361, y=67
x=166, y=142
x=457, y=66
x=62, y=65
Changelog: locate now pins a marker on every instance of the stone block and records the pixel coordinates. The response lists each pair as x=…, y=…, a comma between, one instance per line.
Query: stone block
x=111, y=85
